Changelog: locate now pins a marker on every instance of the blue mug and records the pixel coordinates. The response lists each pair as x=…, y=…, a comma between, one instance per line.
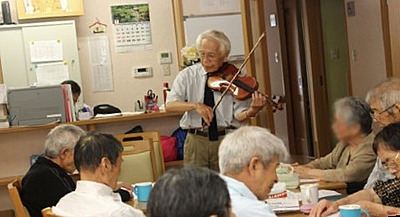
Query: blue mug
x=142, y=191
x=352, y=210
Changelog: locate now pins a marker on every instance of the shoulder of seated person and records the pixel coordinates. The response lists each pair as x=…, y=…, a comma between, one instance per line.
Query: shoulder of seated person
x=127, y=211
x=249, y=207
x=41, y=173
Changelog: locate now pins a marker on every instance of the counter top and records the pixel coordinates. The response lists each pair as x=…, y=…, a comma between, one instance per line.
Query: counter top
x=92, y=122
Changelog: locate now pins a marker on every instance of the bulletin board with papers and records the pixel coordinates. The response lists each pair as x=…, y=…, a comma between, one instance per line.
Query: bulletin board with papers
x=39, y=54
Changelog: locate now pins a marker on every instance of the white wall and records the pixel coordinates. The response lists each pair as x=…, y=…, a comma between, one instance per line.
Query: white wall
x=127, y=89
x=365, y=38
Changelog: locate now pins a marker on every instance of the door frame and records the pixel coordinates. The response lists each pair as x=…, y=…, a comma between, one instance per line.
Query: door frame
x=386, y=37
x=286, y=77
x=315, y=66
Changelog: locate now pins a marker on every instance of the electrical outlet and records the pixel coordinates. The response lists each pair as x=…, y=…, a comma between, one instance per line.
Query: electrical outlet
x=166, y=70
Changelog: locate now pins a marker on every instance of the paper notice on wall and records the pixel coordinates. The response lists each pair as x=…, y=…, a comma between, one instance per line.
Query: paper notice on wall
x=3, y=94
x=100, y=64
x=218, y=5
x=51, y=73
x=46, y=51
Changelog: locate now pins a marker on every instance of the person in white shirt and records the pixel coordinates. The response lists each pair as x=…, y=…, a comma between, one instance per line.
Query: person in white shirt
x=384, y=101
x=248, y=158
x=191, y=94
x=98, y=158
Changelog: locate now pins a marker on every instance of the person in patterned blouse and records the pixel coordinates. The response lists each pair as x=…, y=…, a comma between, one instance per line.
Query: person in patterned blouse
x=384, y=198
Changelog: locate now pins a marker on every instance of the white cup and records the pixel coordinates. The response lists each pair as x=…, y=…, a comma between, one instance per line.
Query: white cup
x=309, y=193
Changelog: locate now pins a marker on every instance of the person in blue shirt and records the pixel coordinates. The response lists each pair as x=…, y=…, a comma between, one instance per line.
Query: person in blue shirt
x=248, y=158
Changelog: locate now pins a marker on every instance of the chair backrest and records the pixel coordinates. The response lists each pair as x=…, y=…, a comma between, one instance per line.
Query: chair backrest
x=139, y=163
x=155, y=136
x=13, y=190
x=47, y=212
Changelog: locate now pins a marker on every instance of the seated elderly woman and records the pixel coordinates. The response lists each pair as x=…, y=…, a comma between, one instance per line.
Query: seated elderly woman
x=353, y=159
x=191, y=191
x=384, y=198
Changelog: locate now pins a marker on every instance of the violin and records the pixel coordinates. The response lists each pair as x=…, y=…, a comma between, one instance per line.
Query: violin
x=227, y=79
x=242, y=87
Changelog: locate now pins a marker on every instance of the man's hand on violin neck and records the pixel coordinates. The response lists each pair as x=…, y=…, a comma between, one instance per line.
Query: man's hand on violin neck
x=258, y=102
x=206, y=112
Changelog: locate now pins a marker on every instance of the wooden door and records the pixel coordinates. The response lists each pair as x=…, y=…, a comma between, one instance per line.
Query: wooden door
x=297, y=73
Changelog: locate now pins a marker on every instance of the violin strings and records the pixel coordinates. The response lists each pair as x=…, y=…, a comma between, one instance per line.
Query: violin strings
x=239, y=70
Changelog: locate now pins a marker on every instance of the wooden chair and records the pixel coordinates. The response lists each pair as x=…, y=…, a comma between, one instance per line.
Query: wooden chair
x=155, y=136
x=47, y=212
x=139, y=163
x=13, y=190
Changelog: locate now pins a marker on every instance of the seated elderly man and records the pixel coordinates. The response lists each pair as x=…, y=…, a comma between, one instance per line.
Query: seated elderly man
x=48, y=179
x=352, y=159
x=384, y=101
x=248, y=158
x=191, y=191
x=98, y=158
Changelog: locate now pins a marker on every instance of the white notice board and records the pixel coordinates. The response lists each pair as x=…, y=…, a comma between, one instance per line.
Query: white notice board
x=230, y=24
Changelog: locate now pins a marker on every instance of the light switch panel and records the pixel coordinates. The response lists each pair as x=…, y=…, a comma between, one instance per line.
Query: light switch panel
x=351, y=9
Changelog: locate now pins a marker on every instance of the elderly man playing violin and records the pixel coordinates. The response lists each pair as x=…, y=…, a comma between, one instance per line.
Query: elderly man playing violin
x=191, y=94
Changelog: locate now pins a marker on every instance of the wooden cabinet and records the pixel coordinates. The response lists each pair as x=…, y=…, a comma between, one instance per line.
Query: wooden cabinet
x=48, y=8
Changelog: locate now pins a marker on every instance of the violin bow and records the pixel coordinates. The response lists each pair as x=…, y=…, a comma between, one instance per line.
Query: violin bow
x=239, y=70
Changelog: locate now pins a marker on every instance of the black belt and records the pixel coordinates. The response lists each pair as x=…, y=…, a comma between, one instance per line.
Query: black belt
x=205, y=134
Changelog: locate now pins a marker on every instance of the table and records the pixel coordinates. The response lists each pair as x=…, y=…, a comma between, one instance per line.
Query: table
x=335, y=186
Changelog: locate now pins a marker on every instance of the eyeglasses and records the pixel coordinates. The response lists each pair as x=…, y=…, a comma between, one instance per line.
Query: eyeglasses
x=211, y=56
x=375, y=115
x=392, y=163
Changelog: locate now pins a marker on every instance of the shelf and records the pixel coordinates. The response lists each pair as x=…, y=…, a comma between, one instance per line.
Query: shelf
x=92, y=122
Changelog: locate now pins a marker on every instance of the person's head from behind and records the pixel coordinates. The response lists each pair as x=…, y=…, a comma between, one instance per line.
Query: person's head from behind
x=98, y=158
x=75, y=89
x=214, y=48
x=60, y=143
x=387, y=147
x=251, y=155
x=384, y=101
x=191, y=191
x=352, y=119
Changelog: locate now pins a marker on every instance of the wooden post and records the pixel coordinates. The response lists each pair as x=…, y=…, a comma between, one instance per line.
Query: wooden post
x=265, y=64
x=248, y=41
x=177, y=9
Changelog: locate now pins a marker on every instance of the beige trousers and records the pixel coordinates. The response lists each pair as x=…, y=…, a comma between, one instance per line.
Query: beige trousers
x=201, y=152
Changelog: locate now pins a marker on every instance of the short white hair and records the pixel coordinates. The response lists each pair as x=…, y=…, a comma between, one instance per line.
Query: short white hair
x=62, y=137
x=220, y=37
x=387, y=93
x=239, y=147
